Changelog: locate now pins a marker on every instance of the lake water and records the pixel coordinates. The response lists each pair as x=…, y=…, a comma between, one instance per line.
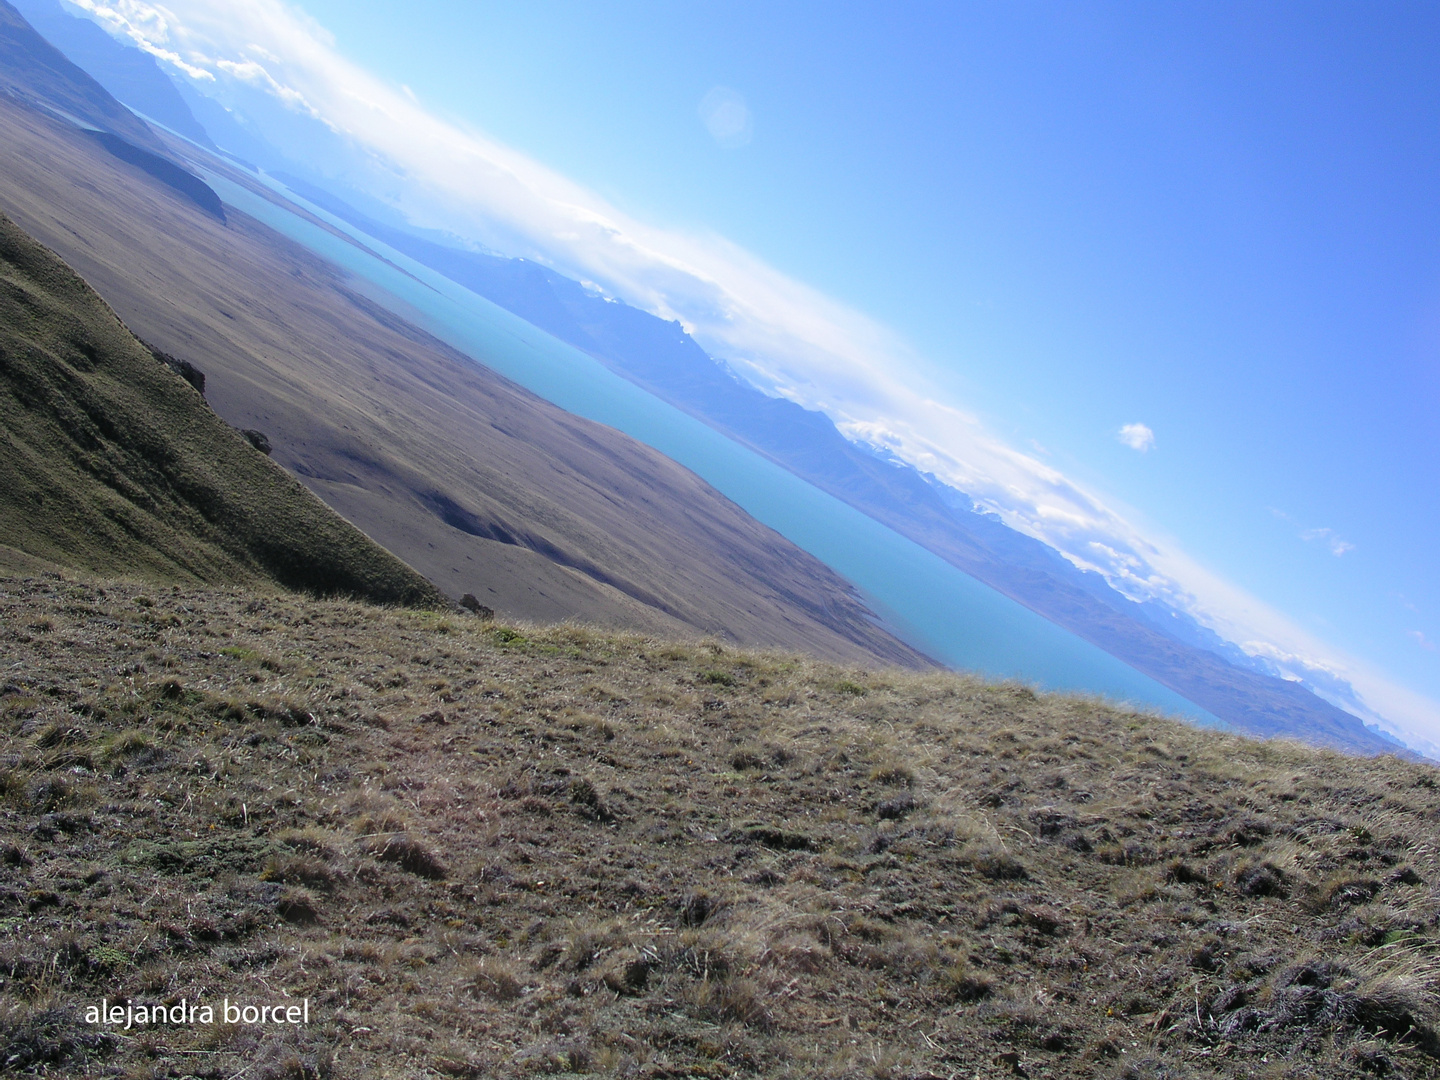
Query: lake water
x=940, y=610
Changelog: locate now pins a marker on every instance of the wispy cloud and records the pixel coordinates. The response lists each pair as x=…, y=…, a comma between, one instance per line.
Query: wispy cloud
x=1327, y=536
x=1137, y=437
x=1424, y=642
x=1337, y=546
x=145, y=26
x=787, y=337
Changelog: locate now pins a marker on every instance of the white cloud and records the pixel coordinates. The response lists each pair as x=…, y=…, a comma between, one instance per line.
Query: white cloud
x=787, y=337
x=1337, y=546
x=726, y=117
x=1137, y=437
x=256, y=74
x=145, y=26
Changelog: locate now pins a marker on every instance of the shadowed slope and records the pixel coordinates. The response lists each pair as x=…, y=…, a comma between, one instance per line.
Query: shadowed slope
x=113, y=464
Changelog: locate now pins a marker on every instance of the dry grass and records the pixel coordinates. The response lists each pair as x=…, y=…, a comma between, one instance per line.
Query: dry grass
x=488, y=850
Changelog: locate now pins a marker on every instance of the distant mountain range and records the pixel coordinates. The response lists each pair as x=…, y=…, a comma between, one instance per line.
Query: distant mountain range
x=35, y=71
x=1162, y=642
x=127, y=74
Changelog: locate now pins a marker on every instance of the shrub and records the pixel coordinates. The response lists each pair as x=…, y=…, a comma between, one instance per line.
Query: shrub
x=587, y=800
x=697, y=908
x=298, y=906
x=896, y=808
x=407, y=853
x=1261, y=879
x=892, y=773
x=728, y=998
x=298, y=870
x=494, y=979
x=996, y=864
x=747, y=759
x=128, y=744
x=36, y=1038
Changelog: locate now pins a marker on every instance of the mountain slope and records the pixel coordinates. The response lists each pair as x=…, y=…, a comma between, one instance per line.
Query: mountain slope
x=660, y=357
x=475, y=482
x=34, y=70
x=113, y=464
x=1164, y=643
x=131, y=76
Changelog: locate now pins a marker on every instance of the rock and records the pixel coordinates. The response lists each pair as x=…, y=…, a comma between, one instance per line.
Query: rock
x=471, y=604
x=258, y=439
x=184, y=368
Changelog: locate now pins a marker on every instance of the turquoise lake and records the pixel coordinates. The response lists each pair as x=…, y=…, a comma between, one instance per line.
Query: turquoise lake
x=940, y=610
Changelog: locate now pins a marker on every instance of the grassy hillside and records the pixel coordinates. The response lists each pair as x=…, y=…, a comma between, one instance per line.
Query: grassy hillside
x=485, y=851
x=475, y=482
x=111, y=463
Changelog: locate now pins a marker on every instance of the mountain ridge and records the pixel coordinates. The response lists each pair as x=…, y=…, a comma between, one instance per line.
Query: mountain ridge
x=112, y=463
x=130, y=75
x=34, y=70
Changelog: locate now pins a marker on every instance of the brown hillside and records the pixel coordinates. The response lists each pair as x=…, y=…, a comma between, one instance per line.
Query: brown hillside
x=408, y=438
x=496, y=851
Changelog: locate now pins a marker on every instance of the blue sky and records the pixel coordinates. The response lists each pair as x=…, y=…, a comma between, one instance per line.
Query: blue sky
x=1041, y=222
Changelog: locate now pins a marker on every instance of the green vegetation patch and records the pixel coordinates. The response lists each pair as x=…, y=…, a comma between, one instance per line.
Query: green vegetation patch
x=204, y=858
x=131, y=471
